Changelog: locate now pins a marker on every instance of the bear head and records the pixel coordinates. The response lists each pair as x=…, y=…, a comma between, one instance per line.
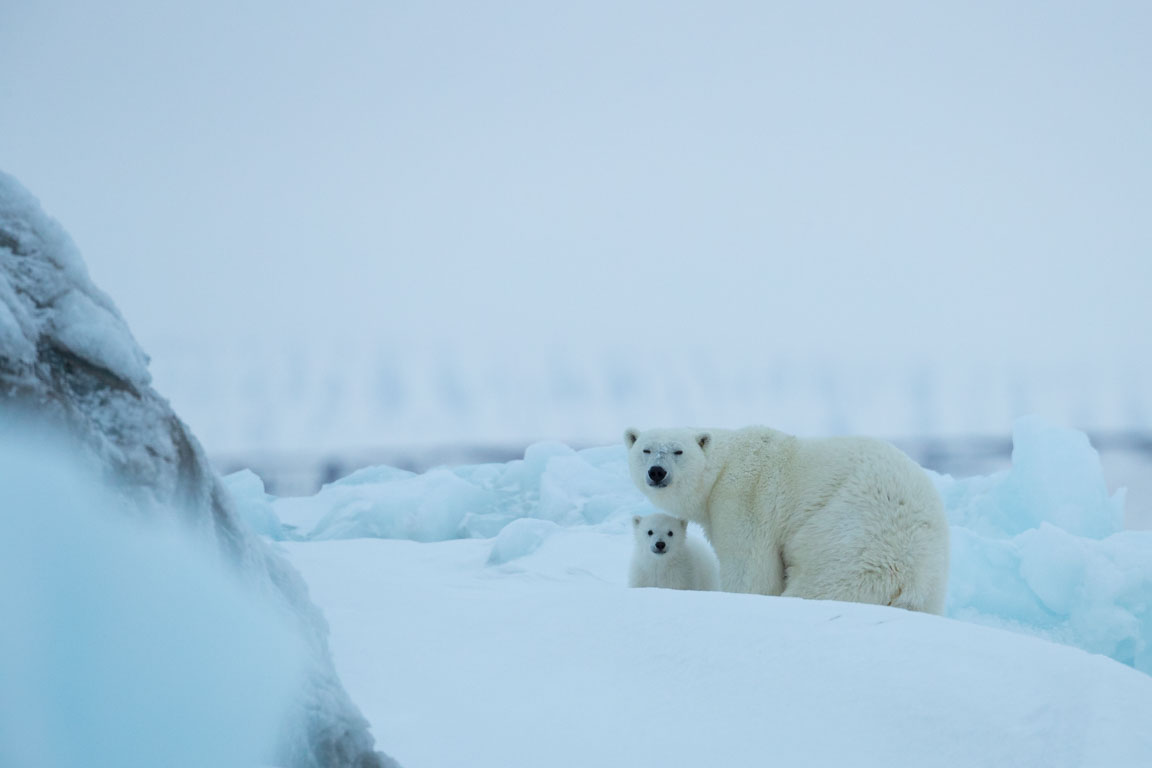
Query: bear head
x=659, y=533
x=670, y=466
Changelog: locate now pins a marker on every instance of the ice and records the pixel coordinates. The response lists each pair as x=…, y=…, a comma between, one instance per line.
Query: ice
x=69, y=363
x=1037, y=548
x=520, y=538
x=14, y=339
x=40, y=261
x=1040, y=548
x=123, y=644
x=98, y=334
x=1055, y=478
x=1092, y=593
x=253, y=504
x=431, y=507
x=380, y=474
x=552, y=482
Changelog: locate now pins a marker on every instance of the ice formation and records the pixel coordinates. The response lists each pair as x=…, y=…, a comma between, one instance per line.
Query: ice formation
x=552, y=482
x=1037, y=548
x=67, y=358
x=1040, y=548
x=520, y=538
x=110, y=617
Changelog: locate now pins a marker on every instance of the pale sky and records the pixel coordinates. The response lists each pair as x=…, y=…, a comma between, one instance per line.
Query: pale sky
x=833, y=179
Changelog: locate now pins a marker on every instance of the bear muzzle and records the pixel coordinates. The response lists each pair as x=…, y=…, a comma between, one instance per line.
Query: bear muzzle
x=657, y=477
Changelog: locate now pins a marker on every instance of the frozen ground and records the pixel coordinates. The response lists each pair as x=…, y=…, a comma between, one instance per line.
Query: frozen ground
x=128, y=642
x=480, y=616
x=1038, y=548
x=549, y=660
x=74, y=388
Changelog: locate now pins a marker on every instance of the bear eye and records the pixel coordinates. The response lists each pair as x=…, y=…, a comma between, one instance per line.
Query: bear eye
x=679, y=453
x=669, y=534
x=649, y=533
x=647, y=451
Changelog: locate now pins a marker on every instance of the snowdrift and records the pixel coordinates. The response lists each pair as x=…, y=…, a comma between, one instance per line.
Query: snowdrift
x=125, y=643
x=68, y=361
x=1037, y=548
x=550, y=660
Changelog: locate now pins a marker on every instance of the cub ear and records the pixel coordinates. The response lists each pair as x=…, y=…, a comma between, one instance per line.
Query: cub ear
x=635, y=520
x=703, y=440
x=683, y=525
x=631, y=435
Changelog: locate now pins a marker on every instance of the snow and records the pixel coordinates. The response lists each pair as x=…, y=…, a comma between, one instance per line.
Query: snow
x=46, y=292
x=98, y=334
x=123, y=644
x=552, y=482
x=253, y=504
x=520, y=538
x=549, y=659
x=1038, y=548
x=70, y=367
x=1055, y=478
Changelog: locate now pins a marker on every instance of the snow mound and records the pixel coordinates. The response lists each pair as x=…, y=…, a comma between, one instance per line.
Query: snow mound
x=111, y=617
x=1055, y=478
x=520, y=538
x=552, y=482
x=577, y=670
x=252, y=504
x=41, y=261
x=1037, y=548
x=68, y=363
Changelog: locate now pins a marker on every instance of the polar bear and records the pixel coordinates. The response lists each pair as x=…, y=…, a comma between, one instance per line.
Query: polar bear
x=842, y=518
x=666, y=556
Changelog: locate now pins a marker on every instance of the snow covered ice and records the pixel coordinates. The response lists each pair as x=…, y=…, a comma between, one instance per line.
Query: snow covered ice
x=550, y=660
x=69, y=362
x=1040, y=548
x=480, y=616
x=124, y=644
x=1037, y=548
x=552, y=482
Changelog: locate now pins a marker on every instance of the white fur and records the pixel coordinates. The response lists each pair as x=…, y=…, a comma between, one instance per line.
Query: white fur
x=841, y=518
x=684, y=563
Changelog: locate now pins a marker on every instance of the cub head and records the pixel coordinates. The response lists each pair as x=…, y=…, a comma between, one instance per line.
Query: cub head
x=663, y=462
x=659, y=533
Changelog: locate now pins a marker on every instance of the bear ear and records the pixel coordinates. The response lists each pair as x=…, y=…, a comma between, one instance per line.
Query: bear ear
x=636, y=520
x=631, y=435
x=683, y=524
x=703, y=439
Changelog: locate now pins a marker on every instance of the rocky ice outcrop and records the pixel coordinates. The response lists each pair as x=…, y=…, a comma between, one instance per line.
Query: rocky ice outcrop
x=67, y=355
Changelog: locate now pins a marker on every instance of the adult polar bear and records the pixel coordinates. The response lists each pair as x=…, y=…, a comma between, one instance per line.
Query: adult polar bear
x=842, y=518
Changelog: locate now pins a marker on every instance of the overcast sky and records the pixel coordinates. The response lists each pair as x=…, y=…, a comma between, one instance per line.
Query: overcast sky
x=834, y=179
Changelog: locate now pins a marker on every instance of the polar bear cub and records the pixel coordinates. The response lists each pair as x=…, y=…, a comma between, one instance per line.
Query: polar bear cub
x=665, y=556
x=840, y=518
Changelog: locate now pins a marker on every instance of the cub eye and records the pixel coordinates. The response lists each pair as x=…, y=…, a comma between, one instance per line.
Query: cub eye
x=647, y=451
x=649, y=533
x=679, y=453
x=669, y=534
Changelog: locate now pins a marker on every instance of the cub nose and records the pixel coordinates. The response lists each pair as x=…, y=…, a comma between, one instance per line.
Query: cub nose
x=660, y=546
x=656, y=474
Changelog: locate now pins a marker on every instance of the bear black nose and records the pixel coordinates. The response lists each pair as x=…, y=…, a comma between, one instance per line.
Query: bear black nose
x=656, y=474
x=660, y=546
